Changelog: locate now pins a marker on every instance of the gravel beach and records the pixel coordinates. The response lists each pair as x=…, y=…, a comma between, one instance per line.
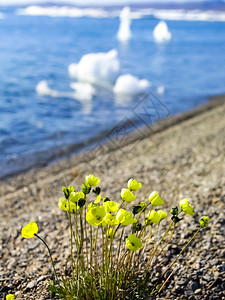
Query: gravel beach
x=180, y=157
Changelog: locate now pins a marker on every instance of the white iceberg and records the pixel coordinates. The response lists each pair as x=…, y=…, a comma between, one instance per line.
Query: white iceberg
x=97, y=68
x=83, y=91
x=43, y=89
x=130, y=85
x=161, y=32
x=160, y=90
x=124, y=32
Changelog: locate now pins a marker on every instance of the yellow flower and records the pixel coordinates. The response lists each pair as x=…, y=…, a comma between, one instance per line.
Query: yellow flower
x=91, y=205
x=204, y=221
x=67, y=205
x=155, y=199
x=110, y=233
x=98, y=199
x=127, y=195
x=29, y=230
x=68, y=191
x=186, y=207
x=111, y=220
x=96, y=215
x=133, y=243
x=111, y=206
x=125, y=218
x=92, y=180
x=153, y=217
x=10, y=297
x=75, y=197
x=162, y=214
x=133, y=185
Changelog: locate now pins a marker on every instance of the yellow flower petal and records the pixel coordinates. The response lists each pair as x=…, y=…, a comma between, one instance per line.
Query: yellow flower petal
x=133, y=185
x=111, y=220
x=10, y=297
x=111, y=206
x=185, y=206
x=127, y=195
x=29, y=230
x=133, y=243
x=153, y=217
x=155, y=199
x=75, y=197
x=96, y=215
x=125, y=218
x=98, y=199
x=92, y=180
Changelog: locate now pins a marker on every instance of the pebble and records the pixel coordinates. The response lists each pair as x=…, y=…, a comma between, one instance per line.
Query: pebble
x=31, y=284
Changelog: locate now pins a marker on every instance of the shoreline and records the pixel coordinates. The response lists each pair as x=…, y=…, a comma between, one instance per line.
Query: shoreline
x=183, y=160
x=79, y=149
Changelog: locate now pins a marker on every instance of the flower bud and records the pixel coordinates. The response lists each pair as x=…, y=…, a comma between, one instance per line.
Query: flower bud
x=68, y=191
x=175, y=219
x=86, y=188
x=174, y=210
x=143, y=206
x=97, y=190
x=106, y=199
x=204, y=221
x=137, y=227
x=81, y=202
x=155, y=199
x=136, y=209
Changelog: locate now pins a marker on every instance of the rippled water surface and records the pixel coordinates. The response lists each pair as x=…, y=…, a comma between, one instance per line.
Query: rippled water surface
x=190, y=67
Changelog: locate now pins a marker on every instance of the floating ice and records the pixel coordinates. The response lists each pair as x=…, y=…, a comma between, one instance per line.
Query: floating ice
x=130, y=85
x=96, y=68
x=165, y=14
x=160, y=90
x=63, y=11
x=43, y=89
x=124, y=32
x=83, y=91
x=161, y=33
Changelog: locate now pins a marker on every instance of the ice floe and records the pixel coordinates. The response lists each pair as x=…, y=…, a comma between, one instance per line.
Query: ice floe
x=83, y=91
x=128, y=84
x=63, y=11
x=160, y=90
x=124, y=32
x=96, y=68
x=43, y=89
x=161, y=32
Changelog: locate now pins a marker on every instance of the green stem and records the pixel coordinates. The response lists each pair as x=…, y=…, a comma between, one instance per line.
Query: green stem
x=185, y=246
x=154, y=250
x=53, y=265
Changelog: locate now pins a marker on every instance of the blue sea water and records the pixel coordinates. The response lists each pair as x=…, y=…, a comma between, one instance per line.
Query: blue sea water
x=190, y=67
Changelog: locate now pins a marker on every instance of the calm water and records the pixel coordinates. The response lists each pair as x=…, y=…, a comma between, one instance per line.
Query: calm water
x=33, y=48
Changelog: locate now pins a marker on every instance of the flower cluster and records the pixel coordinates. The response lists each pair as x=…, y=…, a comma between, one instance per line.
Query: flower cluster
x=117, y=221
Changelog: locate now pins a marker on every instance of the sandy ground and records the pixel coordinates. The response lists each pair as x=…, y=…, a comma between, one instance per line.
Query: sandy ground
x=179, y=157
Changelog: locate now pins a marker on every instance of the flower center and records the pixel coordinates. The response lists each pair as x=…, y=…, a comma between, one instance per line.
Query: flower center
x=98, y=218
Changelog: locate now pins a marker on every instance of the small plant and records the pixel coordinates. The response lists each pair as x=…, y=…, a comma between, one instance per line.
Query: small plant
x=109, y=242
